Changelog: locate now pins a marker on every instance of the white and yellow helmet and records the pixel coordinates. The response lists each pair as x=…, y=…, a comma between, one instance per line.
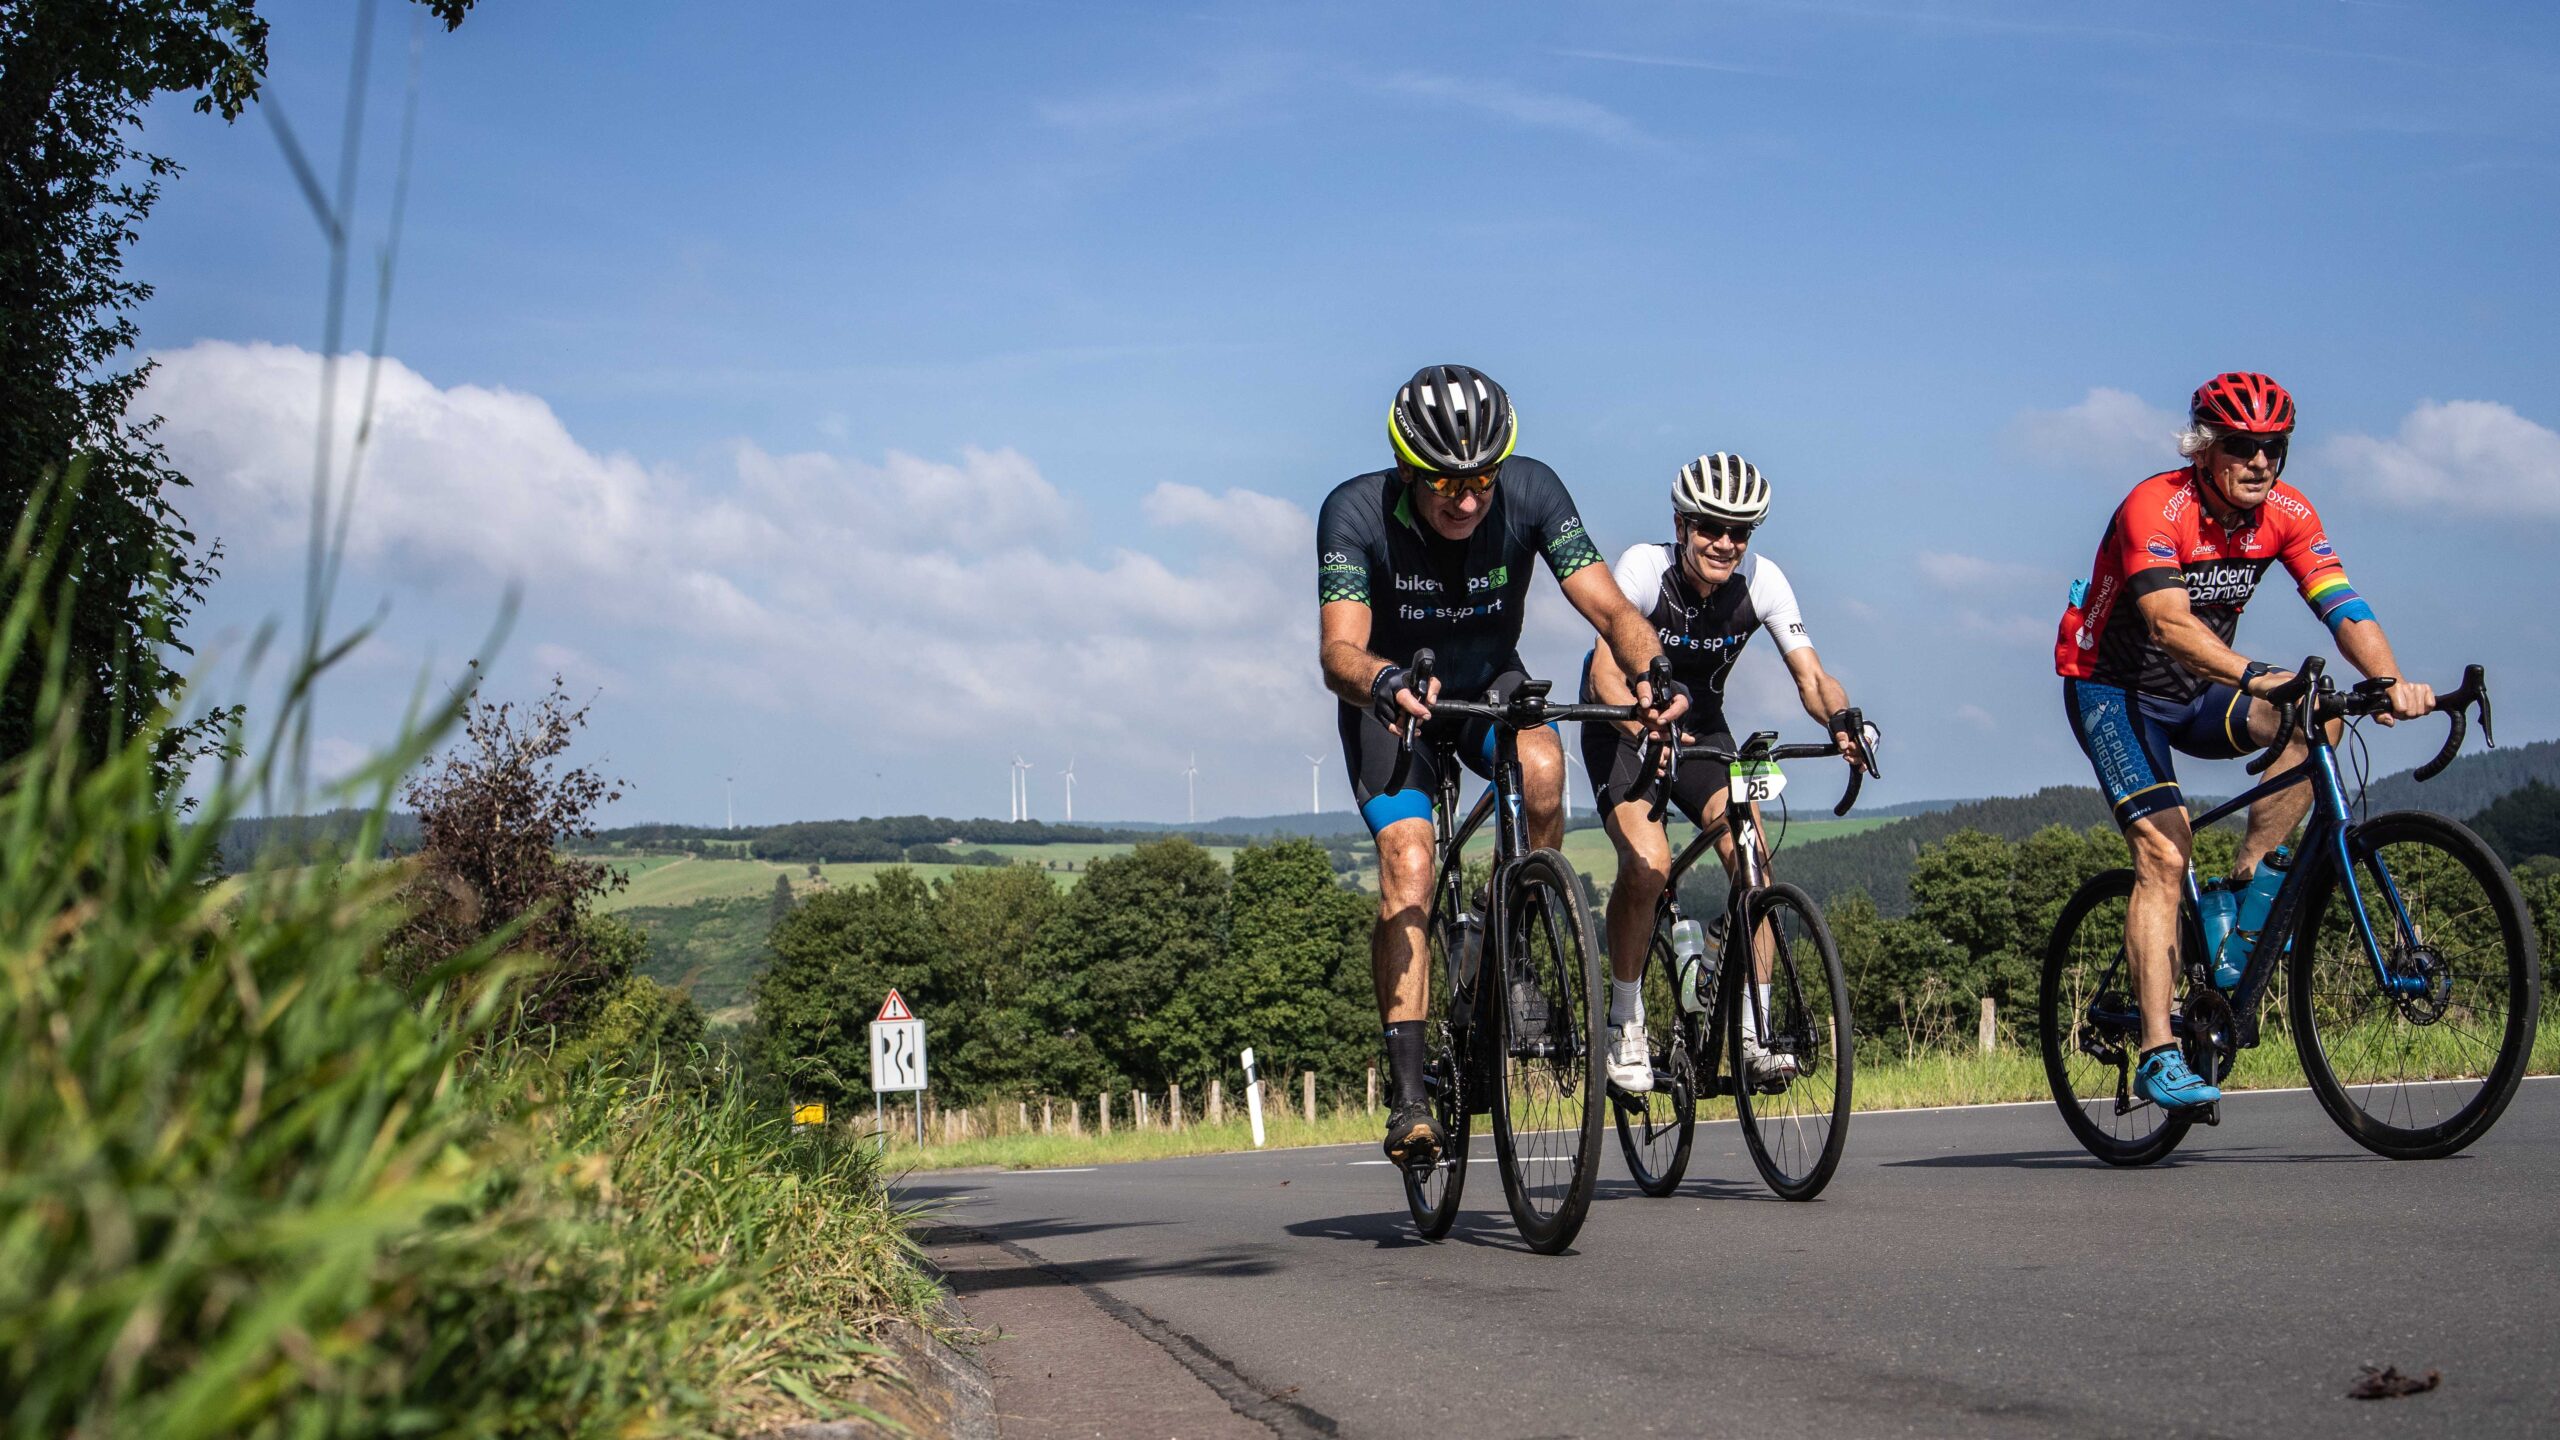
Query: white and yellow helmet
x=1722, y=487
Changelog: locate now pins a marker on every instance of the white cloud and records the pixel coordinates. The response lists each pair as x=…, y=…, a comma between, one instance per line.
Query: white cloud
x=1971, y=574
x=2471, y=456
x=1534, y=109
x=2110, y=432
x=809, y=583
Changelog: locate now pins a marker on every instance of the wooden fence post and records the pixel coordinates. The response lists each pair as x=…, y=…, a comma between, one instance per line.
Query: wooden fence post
x=1307, y=1082
x=1990, y=1026
x=1137, y=1109
x=1022, y=1116
x=1102, y=1108
x=1217, y=1104
x=1047, y=1115
x=1173, y=1107
x=1371, y=1104
x=1075, y=1117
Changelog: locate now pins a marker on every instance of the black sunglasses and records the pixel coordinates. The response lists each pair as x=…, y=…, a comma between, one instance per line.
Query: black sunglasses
x=1721, y=530
x=2245, y=448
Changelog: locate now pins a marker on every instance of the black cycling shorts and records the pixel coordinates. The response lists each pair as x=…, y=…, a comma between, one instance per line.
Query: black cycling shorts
x=1614, y=761
x=1369, y=750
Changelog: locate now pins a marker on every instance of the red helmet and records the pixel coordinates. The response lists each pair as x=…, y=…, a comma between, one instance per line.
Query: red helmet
x=2244, y=401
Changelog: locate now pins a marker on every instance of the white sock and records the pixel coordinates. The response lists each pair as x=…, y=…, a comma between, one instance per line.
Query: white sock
x=1626, y=1002
x=1751, y=1017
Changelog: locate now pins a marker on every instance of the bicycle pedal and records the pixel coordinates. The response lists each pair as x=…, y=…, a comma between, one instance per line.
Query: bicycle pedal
x=2210, y=1114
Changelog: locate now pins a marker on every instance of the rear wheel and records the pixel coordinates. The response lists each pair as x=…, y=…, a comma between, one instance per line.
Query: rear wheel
x=1794, y=1105
x=2091, y=1032
x=2421, y=1061
x=1655, y=1130
x=1546, y=1111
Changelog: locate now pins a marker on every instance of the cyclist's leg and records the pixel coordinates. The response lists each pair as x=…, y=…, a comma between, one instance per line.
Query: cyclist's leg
x=1542, y=785
x=1644, y=850
x=1400, y=822
x=2129, y=750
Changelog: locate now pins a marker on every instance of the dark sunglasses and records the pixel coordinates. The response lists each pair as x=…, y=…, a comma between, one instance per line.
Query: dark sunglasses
x=1473, y=483
x=2245, y=448
x=1721, y=530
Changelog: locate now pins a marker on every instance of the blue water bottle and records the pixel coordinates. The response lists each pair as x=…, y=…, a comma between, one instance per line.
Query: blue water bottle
x=2216, y=908
x=2257, y=896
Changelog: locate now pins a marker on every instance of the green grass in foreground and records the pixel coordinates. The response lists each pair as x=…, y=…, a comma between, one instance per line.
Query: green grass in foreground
x=1885, y=1081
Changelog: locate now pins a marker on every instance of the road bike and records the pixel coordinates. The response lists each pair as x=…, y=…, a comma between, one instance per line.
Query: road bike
x=2411, y=983
x=1773, y=974
x=1527, y=1052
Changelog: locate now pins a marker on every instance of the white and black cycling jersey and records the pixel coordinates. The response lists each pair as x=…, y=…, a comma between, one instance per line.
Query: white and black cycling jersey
x=1703, y=634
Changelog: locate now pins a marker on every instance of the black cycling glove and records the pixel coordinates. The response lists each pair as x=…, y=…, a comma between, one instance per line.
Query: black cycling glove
x=1382, y=695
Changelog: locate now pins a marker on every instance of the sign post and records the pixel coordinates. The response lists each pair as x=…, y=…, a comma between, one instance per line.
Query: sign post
x=897, y=1059
x=1253, y=1097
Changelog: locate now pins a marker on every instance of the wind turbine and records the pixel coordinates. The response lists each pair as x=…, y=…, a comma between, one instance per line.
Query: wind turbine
x=1572, y=763
x=1315, y=784
x=1022, y=787
x=1191, y=786
x=1070, y=773
x=729, y=788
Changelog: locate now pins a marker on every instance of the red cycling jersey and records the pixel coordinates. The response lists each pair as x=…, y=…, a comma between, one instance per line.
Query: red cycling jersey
x=2162, y=535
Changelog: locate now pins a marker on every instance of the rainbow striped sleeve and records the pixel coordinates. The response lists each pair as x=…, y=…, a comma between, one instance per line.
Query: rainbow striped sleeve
x=2334, y=600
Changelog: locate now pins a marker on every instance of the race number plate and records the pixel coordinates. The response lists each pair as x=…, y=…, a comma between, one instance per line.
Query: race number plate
x=1757, y=782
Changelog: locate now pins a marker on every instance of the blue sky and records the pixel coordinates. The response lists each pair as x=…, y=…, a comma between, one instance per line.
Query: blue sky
x=864, y=394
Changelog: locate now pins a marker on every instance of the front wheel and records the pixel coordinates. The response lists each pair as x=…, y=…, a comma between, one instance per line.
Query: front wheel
x=1432, y=1194
x=2417, y=1059
x=1546, y=1109
x=2091, y=1031
x=1790, y=1042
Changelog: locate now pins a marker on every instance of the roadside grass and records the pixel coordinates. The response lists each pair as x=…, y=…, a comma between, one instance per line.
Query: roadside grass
x=1885, y=1081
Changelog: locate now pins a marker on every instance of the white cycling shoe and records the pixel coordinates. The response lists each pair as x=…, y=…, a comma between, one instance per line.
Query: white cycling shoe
x=1630, y=1058
x=1766, y=1065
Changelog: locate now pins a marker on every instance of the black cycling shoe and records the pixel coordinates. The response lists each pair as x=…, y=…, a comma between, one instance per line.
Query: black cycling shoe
x=1414, y=1139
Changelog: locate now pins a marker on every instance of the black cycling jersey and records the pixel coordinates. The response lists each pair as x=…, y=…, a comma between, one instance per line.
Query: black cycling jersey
x=1703, y=634
x=1462, y=598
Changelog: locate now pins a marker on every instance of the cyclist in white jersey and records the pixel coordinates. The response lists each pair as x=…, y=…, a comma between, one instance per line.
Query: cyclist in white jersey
x=1705, y=593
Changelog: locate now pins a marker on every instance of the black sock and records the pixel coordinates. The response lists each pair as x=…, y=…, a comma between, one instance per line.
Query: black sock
x=2156, y=1049
x=1404, y=1062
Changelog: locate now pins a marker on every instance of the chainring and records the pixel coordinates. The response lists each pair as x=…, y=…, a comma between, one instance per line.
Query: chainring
x=2211, y=1042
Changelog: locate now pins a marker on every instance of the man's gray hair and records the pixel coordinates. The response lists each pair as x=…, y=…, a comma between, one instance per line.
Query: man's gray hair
x=2198, y=437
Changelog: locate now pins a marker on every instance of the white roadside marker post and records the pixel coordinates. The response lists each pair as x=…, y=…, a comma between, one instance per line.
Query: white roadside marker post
x=1253, y=1097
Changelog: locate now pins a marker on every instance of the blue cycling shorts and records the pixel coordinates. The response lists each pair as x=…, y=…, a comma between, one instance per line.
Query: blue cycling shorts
x=2129, y=738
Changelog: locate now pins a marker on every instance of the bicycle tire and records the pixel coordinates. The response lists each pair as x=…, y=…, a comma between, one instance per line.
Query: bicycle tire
x=1433, y=1196
x=1796, y=1128
x=2359, y=1045
x=1657, y=1129
x=2083, y=963
x=1546, y=1111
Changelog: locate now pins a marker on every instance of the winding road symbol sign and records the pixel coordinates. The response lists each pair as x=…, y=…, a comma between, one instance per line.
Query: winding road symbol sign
x=897, y=1048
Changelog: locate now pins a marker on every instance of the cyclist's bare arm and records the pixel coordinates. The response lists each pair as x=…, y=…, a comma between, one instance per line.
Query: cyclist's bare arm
x=1823, y=697
x=2369, y=650
x=1349, y=667
x=1627, y=642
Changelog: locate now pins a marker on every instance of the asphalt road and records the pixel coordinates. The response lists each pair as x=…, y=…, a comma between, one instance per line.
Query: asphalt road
x=1969, y=1272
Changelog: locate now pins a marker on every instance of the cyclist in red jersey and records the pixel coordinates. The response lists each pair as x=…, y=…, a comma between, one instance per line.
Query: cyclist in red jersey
x=2148, y=668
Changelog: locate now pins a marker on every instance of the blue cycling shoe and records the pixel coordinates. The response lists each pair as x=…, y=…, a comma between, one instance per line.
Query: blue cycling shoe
x=2164, y=1079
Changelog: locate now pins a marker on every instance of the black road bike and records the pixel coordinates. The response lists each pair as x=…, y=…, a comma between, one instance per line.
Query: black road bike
x=1518, y=1004
x=2410, y=978
x=1791, y=1091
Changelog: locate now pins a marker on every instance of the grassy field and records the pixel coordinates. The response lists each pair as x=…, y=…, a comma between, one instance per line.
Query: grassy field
x=667, y=880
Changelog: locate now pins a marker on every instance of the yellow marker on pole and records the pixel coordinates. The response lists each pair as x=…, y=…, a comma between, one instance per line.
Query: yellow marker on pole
x=811, y=1114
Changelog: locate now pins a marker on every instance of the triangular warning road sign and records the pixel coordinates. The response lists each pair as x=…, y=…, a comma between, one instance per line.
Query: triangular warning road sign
x=894, y=1008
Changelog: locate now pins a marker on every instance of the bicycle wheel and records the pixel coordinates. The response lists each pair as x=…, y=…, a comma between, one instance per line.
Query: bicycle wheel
x=2091, y=1032
x=2425, y=1066
x=1796, y=1119
x=1546, y=1111
x=1432, y=1194
x=1656, y=1129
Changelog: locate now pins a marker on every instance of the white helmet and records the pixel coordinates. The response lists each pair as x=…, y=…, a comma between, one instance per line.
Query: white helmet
x=1725, y=487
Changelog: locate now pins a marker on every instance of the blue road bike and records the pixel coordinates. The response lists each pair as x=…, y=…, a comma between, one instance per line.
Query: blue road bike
x=2402, y=949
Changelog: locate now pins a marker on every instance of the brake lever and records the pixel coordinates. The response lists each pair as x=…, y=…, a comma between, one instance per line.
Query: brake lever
x=1660, y=784
x=2473, y=691
x=2295, y=692
x=1420, y=674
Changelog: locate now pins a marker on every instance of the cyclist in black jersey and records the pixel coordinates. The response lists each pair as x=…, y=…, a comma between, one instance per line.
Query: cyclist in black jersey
x=1436, y=553
x=1704, y=594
